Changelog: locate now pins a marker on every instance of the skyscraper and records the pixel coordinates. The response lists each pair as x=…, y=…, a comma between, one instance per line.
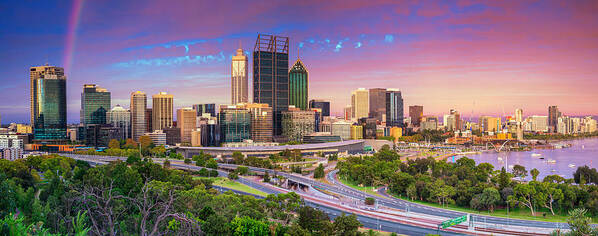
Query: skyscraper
x=360, y=104
x=148, y=120
x=553, y=116
x=298, y=85
x=322, y=104
x=121, y=118
x=138, y=118
x=162, y=110
x=95, y=102
x=377, y=103
x=239, y=78
x=48, y=102
x=519, y=120
x=394, y=108
x=186, y=122
x=416, y=113
x=270, y=75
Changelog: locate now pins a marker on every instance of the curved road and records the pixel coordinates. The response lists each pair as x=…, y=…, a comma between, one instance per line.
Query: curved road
x=368, y=220
x=341, y=189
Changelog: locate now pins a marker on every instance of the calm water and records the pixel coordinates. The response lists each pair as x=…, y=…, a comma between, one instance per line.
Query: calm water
x=583, y=152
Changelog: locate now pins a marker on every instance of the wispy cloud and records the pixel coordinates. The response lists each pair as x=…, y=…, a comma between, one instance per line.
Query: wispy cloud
x=389, y=38
x=181, y=43
x=172, y=61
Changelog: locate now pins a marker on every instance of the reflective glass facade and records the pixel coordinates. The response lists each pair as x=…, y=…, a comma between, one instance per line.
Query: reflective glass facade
x=95, y=102
x=394, y=108
x=270, y=75
x=235, y=124
x=298, y=81
x=49, y=108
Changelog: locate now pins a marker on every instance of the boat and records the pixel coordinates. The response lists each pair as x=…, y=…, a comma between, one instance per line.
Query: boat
x=553, y=170
x=536, y=154
x=571, y=165
x=550, y=161
x=541, y=158
x=500, y=158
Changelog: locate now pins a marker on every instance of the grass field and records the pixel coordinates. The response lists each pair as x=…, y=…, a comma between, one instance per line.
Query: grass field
x=226, y=183
x=369, y=190
x=519, y=213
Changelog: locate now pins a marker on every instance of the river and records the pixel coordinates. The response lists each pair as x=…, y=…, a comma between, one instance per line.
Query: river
x=583, y=152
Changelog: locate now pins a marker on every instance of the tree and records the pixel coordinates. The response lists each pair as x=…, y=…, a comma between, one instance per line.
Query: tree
x=411, y=192
x=114, y=144
x=166, y=163
x=316, y=222
x=550, y=195
x=187, y=161
x=245, y=225
x=145, y=141
x=238, y=158
x=212, y=164
x=584, y=175
x=233, y=176
x=441, y=191
x=487, y=199
x=346, y=225
x=130, y=144
x=266, y=177
x=534, y=172
x=579, y=223
x=504, y=180
x=519, y=171
x=319, y=172
x=524, y=194
x=242, y=170
x=370, y=201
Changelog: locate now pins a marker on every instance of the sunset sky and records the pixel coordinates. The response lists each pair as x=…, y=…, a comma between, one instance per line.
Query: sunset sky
x=486, y=57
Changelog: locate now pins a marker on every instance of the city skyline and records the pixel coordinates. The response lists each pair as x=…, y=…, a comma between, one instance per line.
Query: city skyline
x=498, y=56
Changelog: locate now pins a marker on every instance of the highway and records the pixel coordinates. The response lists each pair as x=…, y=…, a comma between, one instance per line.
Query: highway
x=396, y=223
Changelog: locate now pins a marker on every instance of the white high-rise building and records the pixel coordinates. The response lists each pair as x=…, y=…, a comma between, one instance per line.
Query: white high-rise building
x=121, y=118
x=538, y=123
x=239, y=78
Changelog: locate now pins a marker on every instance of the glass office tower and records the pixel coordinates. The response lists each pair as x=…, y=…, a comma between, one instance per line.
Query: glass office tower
x=271, y=76
x=49, y=105
x=95, y=102
x=298, y=81
x=394, y=108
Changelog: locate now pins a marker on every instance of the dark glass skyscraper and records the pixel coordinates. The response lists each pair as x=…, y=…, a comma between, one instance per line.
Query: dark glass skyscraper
x=271, y=76
x=394, y=108
x=205, y=108
x=324, y=105
x=48, y=103
x=298, y=81
x=95, y=102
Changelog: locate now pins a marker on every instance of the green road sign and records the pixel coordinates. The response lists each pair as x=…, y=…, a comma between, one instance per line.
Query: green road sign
x=451, y=222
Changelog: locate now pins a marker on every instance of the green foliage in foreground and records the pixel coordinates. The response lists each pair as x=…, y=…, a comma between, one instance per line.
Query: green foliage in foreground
x=54, y=195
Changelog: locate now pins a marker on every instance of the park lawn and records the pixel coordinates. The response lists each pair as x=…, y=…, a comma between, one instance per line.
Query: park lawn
x=363, y=189
x=377, y=233
x=227, y=183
